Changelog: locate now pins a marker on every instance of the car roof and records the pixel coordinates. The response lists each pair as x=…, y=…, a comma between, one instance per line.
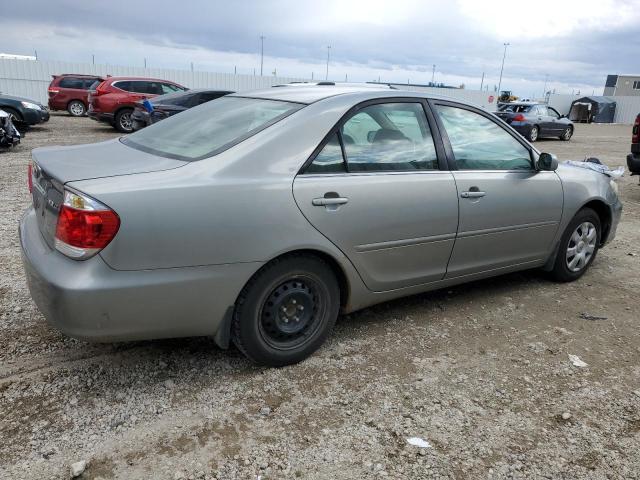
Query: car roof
x=118, y=79
x=77, y=75
x=315, y=93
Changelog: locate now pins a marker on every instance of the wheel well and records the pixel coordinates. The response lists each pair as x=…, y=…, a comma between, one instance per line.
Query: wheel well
x=338, y=271
x=604, y=213
x=115, y=114
x=76, y=100
x=11, y=110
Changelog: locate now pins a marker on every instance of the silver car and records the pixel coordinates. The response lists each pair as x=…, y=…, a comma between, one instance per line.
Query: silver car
x=258, y=217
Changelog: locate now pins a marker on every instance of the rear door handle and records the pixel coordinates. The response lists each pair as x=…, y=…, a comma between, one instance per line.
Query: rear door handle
x=472, y=194
x=323, y=202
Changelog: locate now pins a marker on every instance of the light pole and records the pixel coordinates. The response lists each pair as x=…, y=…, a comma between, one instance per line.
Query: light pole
x=433, y=75
x=328, y=53
x=261, y=53
x=502, y=68
x=544, y=91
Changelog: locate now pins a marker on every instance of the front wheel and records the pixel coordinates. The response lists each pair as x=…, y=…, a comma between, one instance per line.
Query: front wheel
x=533, y=133
x=286, y=311
x=578, y=246
x=124, y=123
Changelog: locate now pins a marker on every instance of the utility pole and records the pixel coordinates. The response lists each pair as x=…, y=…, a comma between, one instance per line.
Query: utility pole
x=502, y=68
x=546, y=77
x=328, y=53
x=433, y=74
x=482, y=81
x=261, y=53
x=145, y=62
x=93, y=59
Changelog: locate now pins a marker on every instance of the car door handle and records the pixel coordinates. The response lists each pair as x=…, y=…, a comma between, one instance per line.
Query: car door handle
x=473, y=194
x=323, y=202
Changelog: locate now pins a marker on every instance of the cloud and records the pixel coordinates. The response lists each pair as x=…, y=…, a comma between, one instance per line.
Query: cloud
x=576, y=44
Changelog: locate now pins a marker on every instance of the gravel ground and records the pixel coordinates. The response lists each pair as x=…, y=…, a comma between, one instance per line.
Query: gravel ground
x=480, y=371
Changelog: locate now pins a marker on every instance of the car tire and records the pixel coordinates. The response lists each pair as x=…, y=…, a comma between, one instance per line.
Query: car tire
x=286, y=311
x=578, y=246
x=534, y=133
x=76, y=108
x=567, y=134
x=14, y=114
x=123, y=121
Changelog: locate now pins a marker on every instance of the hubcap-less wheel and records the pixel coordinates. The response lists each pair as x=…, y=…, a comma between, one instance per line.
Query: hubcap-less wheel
x=582, y=244
x=291, y=313
x=125, y=122
x=76, y=109
x=533, y=135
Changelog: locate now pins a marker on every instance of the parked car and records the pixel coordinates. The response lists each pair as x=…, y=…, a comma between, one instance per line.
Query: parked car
x=114, y=99
x=258, y=217
x=164, y=106
x=633, y=159
x=535, y=120
x=23, y=111
x=70, y=92
x=9, y=134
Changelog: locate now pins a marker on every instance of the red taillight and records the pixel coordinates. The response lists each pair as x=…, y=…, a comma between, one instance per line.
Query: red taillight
x=85, y=226
x=518, y=117
x=30, y=177
x=635, y=138
x=53, y=90
x=101, y=89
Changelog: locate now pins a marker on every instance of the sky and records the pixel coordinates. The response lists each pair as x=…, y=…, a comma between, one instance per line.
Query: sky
x=567, y=45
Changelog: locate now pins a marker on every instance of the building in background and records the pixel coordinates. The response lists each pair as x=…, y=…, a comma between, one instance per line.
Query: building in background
x=622, y=86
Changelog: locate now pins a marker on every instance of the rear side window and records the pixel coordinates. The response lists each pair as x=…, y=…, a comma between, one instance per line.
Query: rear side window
x=480, y=144
x=72, y=82
x=124, y=85
x=170, y=88
x=387, y=137
x=210, y=128
x=329, y=159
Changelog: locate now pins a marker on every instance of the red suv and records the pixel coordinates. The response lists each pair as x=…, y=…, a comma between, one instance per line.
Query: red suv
x=69, y=92
x=114, y=99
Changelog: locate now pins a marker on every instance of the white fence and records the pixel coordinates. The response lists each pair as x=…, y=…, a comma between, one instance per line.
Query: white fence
x=30, y=79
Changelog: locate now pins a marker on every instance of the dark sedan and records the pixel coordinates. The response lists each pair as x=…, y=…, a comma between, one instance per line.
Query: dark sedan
x=24, y=111
x=534, y=120
x=163, y=106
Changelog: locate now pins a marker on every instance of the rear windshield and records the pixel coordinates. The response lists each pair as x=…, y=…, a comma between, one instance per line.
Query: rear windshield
x=210, y=128
x=515, y=108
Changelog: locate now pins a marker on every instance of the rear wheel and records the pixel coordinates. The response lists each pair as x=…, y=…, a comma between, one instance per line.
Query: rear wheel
x=578, y=246
x=533, y=133
x=123, y=121
x=76, y=108
x=286, y=311
x=567, y=134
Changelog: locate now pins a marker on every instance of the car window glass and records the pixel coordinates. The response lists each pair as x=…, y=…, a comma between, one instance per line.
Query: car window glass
x=71, y=82
x=168, y=88
x=515, y=108
x=330, y=159
x=553, y=113
x=480, y=144
x=542, y=110
x=94, y=84
x=124, y=85
x=208, y=96
x=389, y=136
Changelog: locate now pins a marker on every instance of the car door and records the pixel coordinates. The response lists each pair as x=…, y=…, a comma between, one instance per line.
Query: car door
x=378, y=188
x=557, y=125
x=509, y=212
x=547, y=124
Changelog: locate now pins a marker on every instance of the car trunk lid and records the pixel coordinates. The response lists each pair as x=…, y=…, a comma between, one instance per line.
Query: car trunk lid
x=53, y=167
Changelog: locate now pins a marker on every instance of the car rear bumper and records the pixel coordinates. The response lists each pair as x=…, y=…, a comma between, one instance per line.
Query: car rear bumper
x=91, y=301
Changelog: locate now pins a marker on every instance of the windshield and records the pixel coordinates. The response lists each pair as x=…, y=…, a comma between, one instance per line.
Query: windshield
x=176, y=98
x=210, y=128
x=515, y=108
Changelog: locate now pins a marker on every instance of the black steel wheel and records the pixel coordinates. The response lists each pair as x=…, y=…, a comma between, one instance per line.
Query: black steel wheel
x=286, y=311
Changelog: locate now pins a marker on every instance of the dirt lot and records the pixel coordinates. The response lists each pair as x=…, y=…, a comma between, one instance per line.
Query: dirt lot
x=480, y=371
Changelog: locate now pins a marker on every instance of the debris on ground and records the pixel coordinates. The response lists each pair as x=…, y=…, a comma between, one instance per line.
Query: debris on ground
x=575, y=360
x=418, y=442
x=587, y=316
x=78, y=468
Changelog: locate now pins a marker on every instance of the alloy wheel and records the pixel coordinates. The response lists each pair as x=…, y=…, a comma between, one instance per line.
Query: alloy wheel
x=125, y=122
x=567, y=134
x=76, y=109
x=581, y=246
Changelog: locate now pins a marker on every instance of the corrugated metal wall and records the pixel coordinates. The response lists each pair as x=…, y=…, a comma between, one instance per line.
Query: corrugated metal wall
x=30, y=79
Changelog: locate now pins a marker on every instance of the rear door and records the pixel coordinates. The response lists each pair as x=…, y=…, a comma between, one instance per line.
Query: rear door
x=379, y=189
x=509, y=212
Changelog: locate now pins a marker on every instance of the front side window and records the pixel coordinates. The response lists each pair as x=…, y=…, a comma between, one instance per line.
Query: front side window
x=169, y=88
x=210, y=128
x=553, y=112
x=480, y=144
x=388, y=137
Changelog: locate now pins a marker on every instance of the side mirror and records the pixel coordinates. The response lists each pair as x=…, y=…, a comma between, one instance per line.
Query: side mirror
x=547, y=162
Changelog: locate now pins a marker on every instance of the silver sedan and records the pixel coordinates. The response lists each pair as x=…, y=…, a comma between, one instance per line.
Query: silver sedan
x=258, y=217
